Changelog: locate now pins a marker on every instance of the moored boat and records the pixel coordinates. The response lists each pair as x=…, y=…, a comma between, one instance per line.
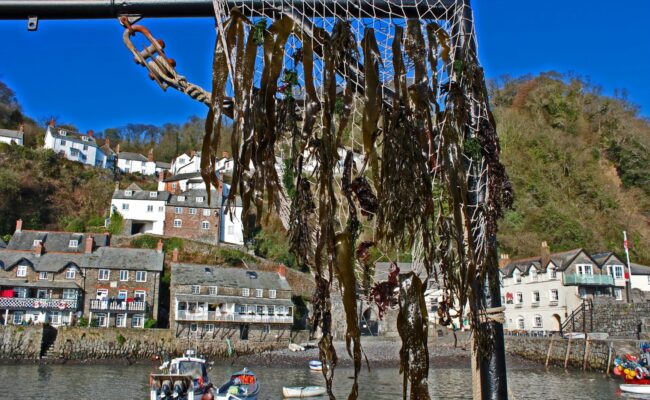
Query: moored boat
x=303, y=391
x=182, y=378
x=636, y=389
x=315, y=365
x=241, y=385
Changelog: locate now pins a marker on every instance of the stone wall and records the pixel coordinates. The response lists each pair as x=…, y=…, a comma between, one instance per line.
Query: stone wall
x=619, y=319
x=536, y=349
x=20, y=342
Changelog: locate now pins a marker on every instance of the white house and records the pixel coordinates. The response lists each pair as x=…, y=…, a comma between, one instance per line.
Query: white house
x=191, y=163
x=10, y=136
x=75, y=146
x=541, y=292
x=640, y=277
x=137, y=163
x=143, y=210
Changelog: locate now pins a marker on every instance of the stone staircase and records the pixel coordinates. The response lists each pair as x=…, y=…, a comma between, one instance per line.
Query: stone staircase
x=47, y=344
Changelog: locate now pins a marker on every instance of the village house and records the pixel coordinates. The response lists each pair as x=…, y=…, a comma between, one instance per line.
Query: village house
x=75, y=146
x=12, y=137
x=208, y=300
x=190, y=163
x=182, y=182
x=59, y=277
x=143, y=210
x=137, y=163
x=541, y=292
x=189, y=215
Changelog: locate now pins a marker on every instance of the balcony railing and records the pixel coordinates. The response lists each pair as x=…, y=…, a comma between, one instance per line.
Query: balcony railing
x=38, y=304
x=112, y=305
x=594, y=280
x=183, y=315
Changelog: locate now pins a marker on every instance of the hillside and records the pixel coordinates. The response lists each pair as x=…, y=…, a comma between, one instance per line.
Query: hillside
x=580, y=166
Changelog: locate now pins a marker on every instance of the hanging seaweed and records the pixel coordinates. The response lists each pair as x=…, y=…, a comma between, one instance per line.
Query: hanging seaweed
x=372, y=109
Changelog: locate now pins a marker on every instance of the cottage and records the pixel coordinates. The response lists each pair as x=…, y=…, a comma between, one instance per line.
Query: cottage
x=189, y=215
x=137, y=163
x=241, y=303
x=143, y=210
x=12, y=137
x=57, y=277
x=76, y=146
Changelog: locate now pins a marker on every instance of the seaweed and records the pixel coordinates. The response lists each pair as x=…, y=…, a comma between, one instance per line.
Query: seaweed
x=372, y=102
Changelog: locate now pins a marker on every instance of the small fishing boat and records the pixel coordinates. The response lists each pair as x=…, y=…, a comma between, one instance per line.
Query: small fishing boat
x=241, y=385
x=315, y=365
x=637, y=389
x=182, y=378
x=303, y=391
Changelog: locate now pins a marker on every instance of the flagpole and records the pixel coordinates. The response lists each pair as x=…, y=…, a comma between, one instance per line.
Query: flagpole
x=629, y=269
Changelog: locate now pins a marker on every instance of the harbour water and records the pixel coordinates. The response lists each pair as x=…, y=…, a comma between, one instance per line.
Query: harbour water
x=107, y=382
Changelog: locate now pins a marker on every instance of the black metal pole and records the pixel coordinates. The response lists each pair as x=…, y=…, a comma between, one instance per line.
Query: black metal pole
x=97, y=9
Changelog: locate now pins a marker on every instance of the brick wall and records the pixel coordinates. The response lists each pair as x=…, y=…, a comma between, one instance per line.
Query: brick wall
x=191, y=224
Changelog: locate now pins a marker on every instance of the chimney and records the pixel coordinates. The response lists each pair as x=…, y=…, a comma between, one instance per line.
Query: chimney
x=108, y=238
x=159, y=246
x=52, y=123
x=545, y=254
x=91, y=133
x=282, y=271
x=225, y=154
x=39, y=249
x=192, y=153
x=504, y=260
x=19, y=225
x=117, y=149
x=150, y=155
x=161, y=176
x=117, y=186
x=107, y=142
x=21, y=128
x=89, y=244
x=175, y=255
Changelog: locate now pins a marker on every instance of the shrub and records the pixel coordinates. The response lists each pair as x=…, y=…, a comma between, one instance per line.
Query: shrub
x=150, y=323
x=116, y=224
x=82, y=322
x=120, y=339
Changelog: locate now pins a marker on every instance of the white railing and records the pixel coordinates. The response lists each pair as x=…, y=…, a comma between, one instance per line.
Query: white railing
x=33, y=303
x=183, y=315
x=112, y=305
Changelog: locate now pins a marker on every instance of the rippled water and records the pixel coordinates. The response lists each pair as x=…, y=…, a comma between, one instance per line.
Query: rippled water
x=130, y=382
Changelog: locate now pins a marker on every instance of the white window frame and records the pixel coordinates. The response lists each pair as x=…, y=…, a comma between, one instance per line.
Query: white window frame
x=178, y=210
x=535, y=297
x=161, y=208
x=205, y=225
x=149, y=208
x=125, y=206
x=520, y=298
x=103, y=292
x=213, y=290
x=272, y=294
x=618, y=293
x=69, y=294
x=231, y=230
x=581, y=269
x=557, y=295
x=124, y=275
x=18, y=317
x=194, y=327
x=517, y=276
x=199, y=199
x=36, y=242
x=73, y=243
x=140, y=294
x=192, y=211
x=206, y=212
x=209, y=328
x=552, y=273
x=521, y=322
x=533, y=274
x=180, y=198
x=178, y=223
x=104, y=275
x=140, y=276
x=101, y=317
x=173, y=185
x=245, y=292
x=123, y=291
x=196, y=289
x=21, y=271
x=120, y=320
x=616, y=269
x=135, y=318
x=535, y=320
x=153, y=194
x=128, y=193
x=259, y=293
x=42, y=275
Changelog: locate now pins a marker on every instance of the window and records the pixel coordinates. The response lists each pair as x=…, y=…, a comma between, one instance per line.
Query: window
x=42, y=294
x=245, y=292
x=153, y=194
x=178, y=210
x=618, y=293
x=161, y=208
x=537, y=321
x=212, y=290
x=192, y=211
x=584, y=269
x=140, y=295
x=102, y=294
x=196, y=289
x=125, y=206
x=231, y=230
x=554, y=296
x=259, y=292
x=173, y=186
x=648, y=279
x=36, y=242
x=140, y=276
x=552, y=273
x=103, y=275
x=272, y=293
x=199, y=199
x=42, y=275
x=137, y=321
x=517, y=276
x=181, y=198
x=206, y=212
x=62, y=142
x=18, y=317
x=20, y=292
x=120, y=320
x=69, y=294
x=520, y=322
x=535, y=297
x=209, y=327
x=194, y=327
x=73, y=243
x=280, y=310
x=617, y=272
x=101, y=319
x=178, y=223
x=122, y=294
x=85, y=147
x=520, y=298
x=150, y=208
x=124, y=275
x=205, y=225
x=533, y=274
x=259, y=310
x=21, y=271
x=128, y=193
x=84, y=138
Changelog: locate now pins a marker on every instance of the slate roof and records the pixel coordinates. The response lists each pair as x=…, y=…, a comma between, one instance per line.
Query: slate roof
x=11, y=134
x=40, y=284
x=164, y=165
x=141, y=195
x=55, y=241
x=121, y=258
x=562, y=260
x=190, y=199
x=638, y=269
x=3, y=244
x=132, y=156
x=48, y=262
x=196, y=274
x=72, y=136
x=180, y=177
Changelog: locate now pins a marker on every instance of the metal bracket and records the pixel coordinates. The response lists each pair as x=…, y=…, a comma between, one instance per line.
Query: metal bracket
x=131, y=18
x=32, y=23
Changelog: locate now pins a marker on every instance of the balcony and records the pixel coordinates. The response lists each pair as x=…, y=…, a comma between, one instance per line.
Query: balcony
x=17, y=303
x=213, y=316
x=588, y=280
x=117, y=306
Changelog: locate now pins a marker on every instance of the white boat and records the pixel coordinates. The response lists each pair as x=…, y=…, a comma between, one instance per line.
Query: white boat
x=303, y=391
x=182, y=378
x=637, y=389
x=315, y=365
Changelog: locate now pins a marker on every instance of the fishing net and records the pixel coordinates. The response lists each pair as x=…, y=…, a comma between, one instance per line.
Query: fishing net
x=366, y=127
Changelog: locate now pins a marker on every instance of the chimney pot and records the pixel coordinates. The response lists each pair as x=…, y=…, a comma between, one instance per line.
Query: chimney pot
x=89, y=244
x=282, y=271
x=52, y=122
x=545, y=254
x=117, y=149
x=150, y=155
x=107, y=142
x=175, y=255
x=21, y=128
x=225, y=154
x=91, y=133
x=19, y=225
x=161, y=176
x=159, y=246
x=39, y=249
x=504, y=260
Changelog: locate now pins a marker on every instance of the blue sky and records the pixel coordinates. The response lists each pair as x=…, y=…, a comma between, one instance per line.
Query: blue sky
x=81, y=72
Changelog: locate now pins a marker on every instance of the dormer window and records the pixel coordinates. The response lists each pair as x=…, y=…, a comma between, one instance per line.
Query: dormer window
x=181, y=198
x=533, y=274
x=153, y=194
x=199, y=199
x=37, y=242
x=62, y=132
x=552, y=273
x=85, y=138
x=128, y=193
x=517, y=276
x=73, y=243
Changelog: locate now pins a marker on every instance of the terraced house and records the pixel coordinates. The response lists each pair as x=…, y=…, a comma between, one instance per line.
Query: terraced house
x=59, y=277
x=215, y=301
